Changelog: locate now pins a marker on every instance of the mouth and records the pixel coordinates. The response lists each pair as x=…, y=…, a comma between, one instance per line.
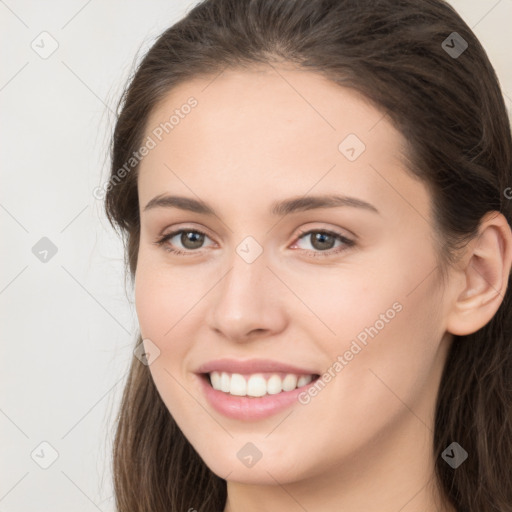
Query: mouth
x=257, y=385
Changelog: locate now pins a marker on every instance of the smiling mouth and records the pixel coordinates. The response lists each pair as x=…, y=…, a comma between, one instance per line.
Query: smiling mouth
x=258, y=384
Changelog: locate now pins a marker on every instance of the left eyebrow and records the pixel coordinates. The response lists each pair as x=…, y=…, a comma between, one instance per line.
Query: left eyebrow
x=278, y=208
x=300, y=204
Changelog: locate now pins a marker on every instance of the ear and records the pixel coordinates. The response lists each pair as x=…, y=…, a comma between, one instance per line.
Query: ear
x=486, y=269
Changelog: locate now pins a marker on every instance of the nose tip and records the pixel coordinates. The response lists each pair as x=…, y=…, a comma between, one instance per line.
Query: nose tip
x=245, y=304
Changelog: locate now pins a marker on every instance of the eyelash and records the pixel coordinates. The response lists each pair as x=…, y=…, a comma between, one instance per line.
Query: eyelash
x=322, y=254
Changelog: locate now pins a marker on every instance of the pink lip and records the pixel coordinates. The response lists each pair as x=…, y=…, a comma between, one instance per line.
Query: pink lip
x=252, y=366
x=249, y=408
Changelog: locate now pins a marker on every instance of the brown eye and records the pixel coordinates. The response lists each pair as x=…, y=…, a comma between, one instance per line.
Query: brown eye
x=191, y=239
x=323, y=242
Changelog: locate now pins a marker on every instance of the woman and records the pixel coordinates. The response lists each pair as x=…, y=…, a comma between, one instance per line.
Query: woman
x=313, y=198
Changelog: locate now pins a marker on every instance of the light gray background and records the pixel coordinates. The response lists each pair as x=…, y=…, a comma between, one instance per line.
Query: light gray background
x=69, y=324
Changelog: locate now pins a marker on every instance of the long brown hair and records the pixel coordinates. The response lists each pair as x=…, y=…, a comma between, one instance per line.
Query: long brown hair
x=452, y=112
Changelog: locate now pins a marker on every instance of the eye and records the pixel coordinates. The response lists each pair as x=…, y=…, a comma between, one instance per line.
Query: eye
x=323, y=242
x=191, y=239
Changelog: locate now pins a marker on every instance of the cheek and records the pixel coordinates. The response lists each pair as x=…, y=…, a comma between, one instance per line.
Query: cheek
x=159, y=306
x=169, y=313
x=148, y=303
x=396, y=360
x=163, y=295
x=388, y=330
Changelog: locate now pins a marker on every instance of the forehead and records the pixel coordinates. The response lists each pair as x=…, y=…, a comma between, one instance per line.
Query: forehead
x=276, y=98
x=269, y=128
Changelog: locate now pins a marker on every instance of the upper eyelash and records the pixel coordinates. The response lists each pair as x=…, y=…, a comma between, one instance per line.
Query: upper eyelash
x=161, y=241
x=348, y=242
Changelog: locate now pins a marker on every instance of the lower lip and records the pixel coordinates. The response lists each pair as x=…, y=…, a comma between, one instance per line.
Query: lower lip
x=249, y=408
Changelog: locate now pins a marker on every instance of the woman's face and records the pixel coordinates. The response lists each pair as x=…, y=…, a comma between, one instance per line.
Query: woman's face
x=287, y=280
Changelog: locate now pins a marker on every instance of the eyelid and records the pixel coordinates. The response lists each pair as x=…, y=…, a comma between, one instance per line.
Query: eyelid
x=187, y=227
x=345, y=233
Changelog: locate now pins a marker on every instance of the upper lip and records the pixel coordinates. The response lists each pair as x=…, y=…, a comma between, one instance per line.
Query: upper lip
x=252, y=366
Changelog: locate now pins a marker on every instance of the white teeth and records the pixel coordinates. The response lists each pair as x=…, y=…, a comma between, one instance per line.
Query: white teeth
x=274, y=385
x=238, y=385
x=289, y=382
x=215, y=380
x=225, y=382
x=256, y=385
x=303, y=380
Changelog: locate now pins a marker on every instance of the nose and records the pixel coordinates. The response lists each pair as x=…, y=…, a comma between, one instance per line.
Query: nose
x=247, y=303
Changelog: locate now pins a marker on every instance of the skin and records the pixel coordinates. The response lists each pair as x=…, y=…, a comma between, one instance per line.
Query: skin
x=269, y=133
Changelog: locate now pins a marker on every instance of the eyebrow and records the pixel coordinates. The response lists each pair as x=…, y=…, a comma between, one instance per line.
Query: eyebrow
x=278, y=208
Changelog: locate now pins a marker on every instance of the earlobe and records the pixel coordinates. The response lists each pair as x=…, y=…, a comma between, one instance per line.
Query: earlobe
x=486, y=274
